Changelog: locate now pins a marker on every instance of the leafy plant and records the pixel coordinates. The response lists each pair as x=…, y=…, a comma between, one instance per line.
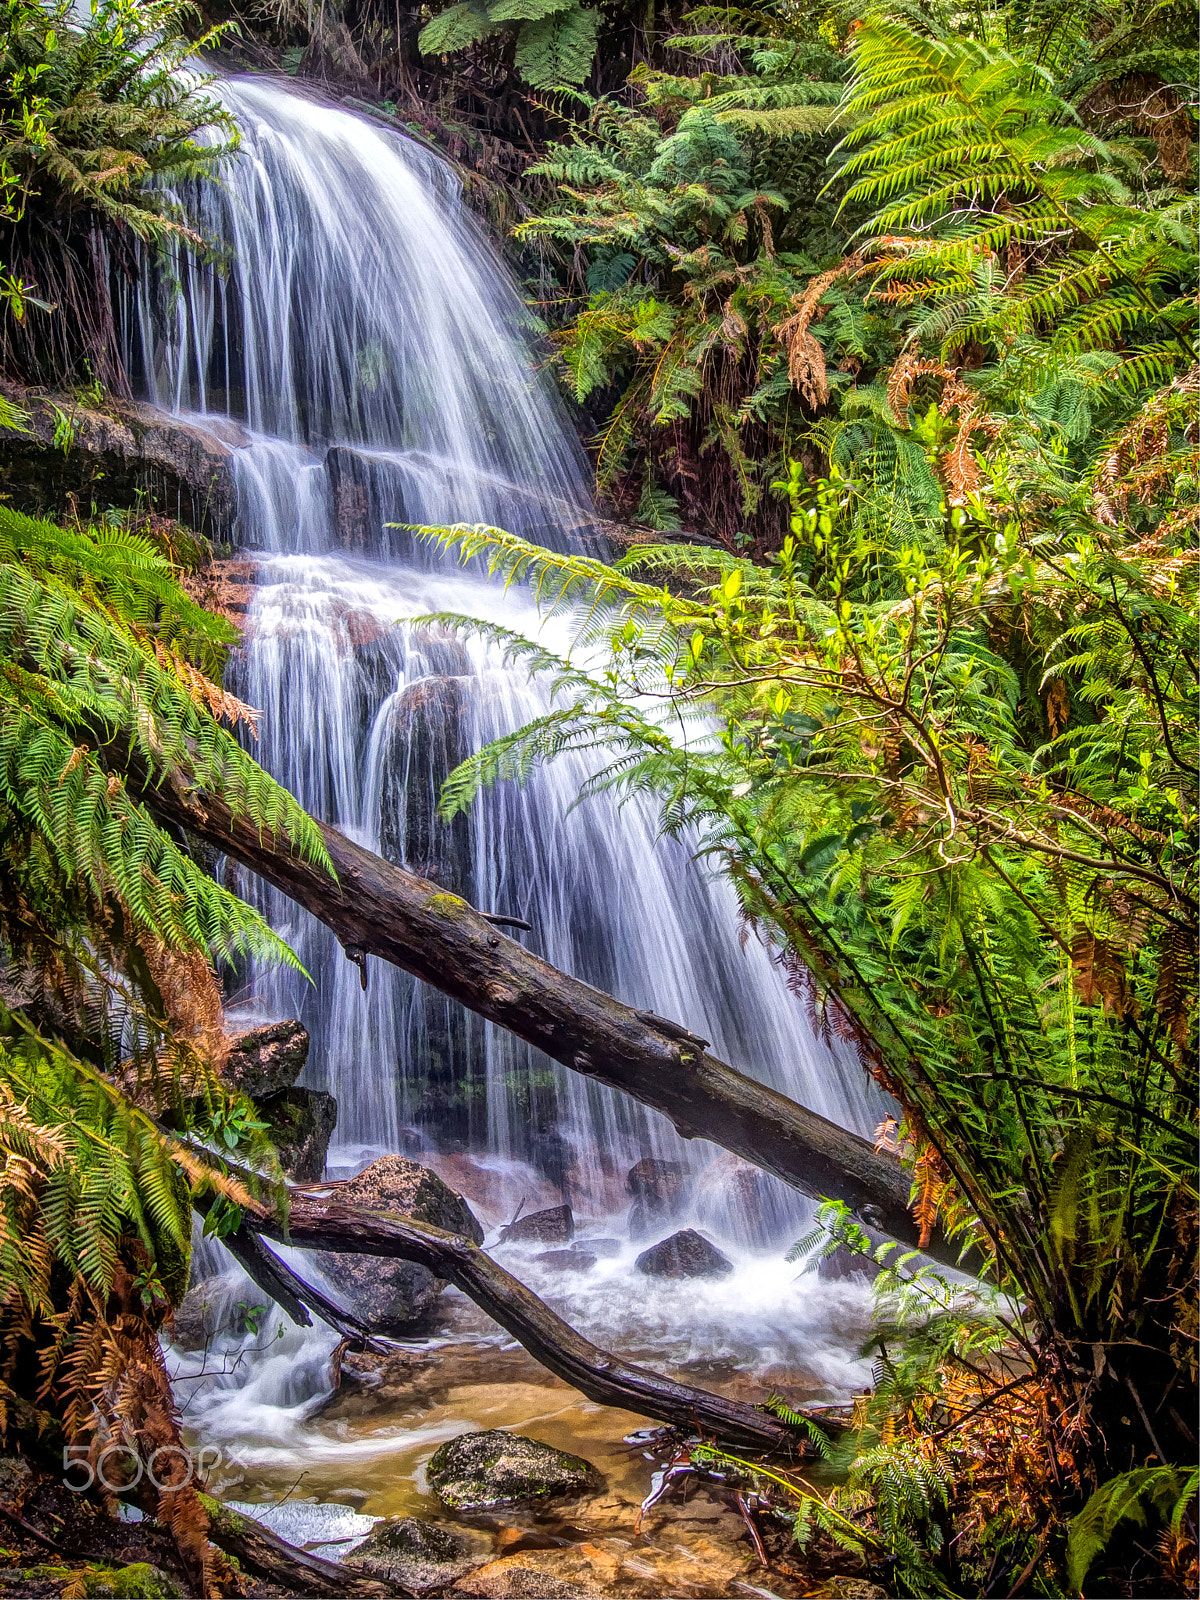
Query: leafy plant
x=100, y=108
x=554, y=40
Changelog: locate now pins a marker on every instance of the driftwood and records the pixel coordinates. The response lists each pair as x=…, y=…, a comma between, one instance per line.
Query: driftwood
x=379, y=909
x=319, y=1220
x=266, y=1555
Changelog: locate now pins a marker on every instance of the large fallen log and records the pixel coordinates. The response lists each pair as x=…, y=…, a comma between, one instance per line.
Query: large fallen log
x=318, y=1219
x=379, y=909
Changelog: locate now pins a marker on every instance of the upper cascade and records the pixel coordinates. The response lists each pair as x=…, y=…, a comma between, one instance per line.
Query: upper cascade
x=358, y=305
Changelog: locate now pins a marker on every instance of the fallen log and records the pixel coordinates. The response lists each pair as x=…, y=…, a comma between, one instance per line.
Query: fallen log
x=318, y=1220
x=266, y=1555
x=379, y=909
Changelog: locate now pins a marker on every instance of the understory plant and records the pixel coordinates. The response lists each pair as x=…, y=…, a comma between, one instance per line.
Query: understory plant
x=111, y=1039
x=103, y=107
x=944, y=744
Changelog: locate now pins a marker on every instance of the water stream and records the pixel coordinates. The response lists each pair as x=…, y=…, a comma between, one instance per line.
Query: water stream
x=366, y=351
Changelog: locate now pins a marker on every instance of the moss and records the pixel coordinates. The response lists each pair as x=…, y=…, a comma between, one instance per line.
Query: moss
x=448, y=905
x=140, y=1581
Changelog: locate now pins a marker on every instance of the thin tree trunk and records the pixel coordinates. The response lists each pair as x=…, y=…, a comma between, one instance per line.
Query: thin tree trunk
x=379, y=909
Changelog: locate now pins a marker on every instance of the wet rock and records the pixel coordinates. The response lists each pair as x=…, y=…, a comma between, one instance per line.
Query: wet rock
x=605, y=1249
x=552, y=1156
x=553, y=1226
x=573, y=1260
x=483, y=1471
x=510, y=1580
x=267, y=1060
x=300, y=1125
x=384, y=1377
x=657, y=1189
x=124, y=454
x=845, y=1263
x=687, y=1254
x=216, y=1306
x=425, y=739
x=397, y=1297
x=418, y=1555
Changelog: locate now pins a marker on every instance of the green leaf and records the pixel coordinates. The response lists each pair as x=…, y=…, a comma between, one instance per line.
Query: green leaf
x=557, y=50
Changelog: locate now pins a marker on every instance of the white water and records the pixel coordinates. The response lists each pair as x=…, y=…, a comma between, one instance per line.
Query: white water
x=370, y=345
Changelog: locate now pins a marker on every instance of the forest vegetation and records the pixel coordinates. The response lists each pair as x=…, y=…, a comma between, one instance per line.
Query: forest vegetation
x=880, y=324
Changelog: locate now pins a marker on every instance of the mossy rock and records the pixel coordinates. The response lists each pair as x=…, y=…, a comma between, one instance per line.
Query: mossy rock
x=416, y=1555
x=483, y=1471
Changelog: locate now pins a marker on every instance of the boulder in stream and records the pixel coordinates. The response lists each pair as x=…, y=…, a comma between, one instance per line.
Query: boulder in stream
x=417, y=1555
x=687, y=1254
x=657, y=1190
x=215, y=1306
x=556, y=1225
x=484, y=1471
x=267, y=1060
x=397, y=1297
x=300, y=1123
x=572, y=1260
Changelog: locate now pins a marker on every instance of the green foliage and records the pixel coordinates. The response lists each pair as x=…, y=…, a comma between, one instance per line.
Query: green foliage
x=555, y=40
x=100, y=107
x=1160, y=1495
x=944, y=741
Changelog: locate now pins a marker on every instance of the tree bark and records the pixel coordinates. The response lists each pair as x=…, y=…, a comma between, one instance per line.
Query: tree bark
x=296, y=1571
x=379, y=909
x=319, y=1220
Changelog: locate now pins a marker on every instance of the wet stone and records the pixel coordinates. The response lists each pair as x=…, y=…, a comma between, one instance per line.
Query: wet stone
x=397, y=1297
x=484, y=1471
x=656, y=1188
x=265, y=1061
x=573, y=1260
x=210, y=1309
x=687, y=1254
x=553, y=1226
x=300, y=1123
x=418, y=1555
x=604, y=1249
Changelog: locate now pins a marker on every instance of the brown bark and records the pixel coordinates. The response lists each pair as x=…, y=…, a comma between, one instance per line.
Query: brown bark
x=268, y=1556
x=319, y=1220
x=379, y=909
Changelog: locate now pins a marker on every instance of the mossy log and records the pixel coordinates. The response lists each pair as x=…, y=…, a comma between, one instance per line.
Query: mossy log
x=379, y=909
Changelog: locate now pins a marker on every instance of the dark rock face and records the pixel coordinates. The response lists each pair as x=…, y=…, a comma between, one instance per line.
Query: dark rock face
x=418, y=1555
x=121, y=455
x=397, y=1297
x=211, y=1308
x=301, y=1123
x=554, y=1226
x=483, y=1471
x=425, y=741
x=684, y=1255
x=657, y=1189
x=573, y=1260
x=265, y=1061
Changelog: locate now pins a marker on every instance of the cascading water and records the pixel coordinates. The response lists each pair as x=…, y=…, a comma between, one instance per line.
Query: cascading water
x=365, y=351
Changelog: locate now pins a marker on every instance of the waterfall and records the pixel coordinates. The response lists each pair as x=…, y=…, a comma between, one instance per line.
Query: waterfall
x=369, y=353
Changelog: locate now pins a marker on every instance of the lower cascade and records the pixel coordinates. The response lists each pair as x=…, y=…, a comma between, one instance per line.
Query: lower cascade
x=366, y=363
